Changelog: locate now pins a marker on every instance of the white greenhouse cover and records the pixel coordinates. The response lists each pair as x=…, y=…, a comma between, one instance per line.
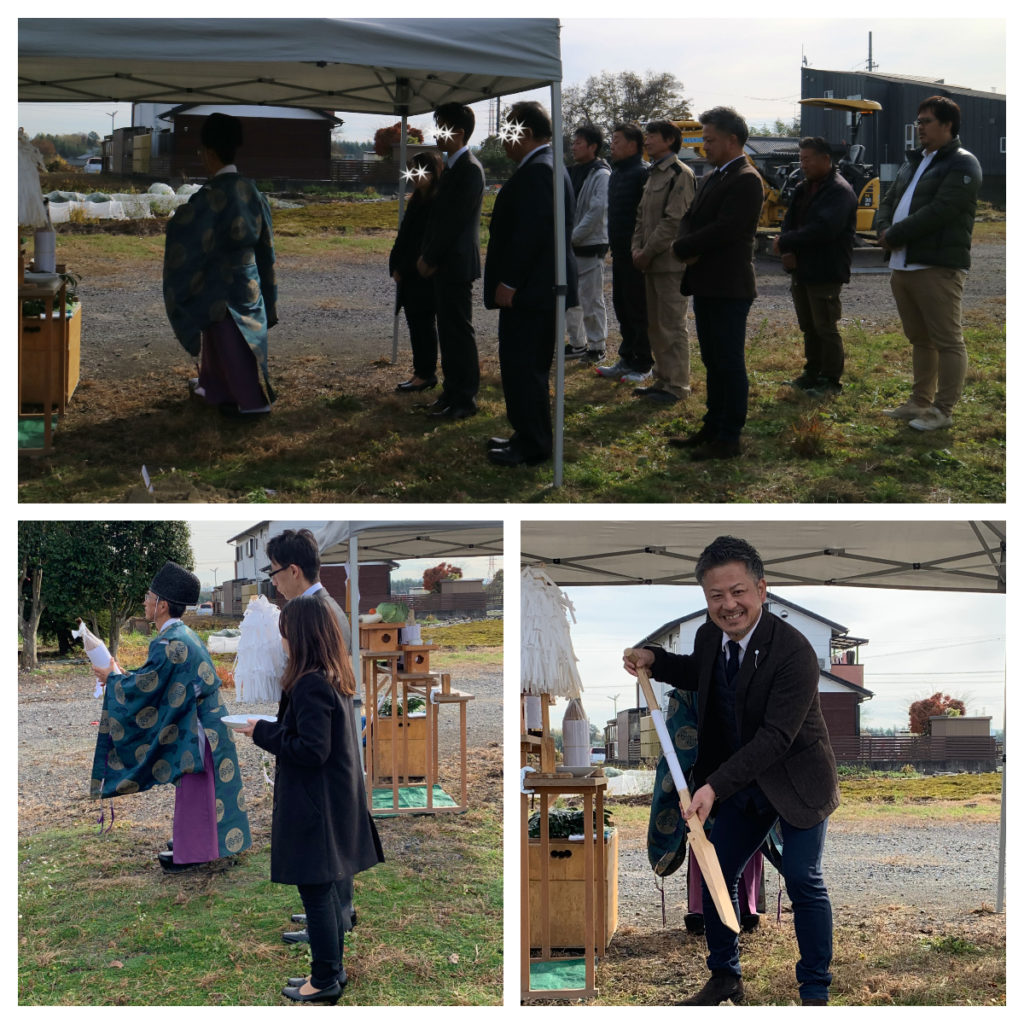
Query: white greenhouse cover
x=361, y=65
x=965, y=556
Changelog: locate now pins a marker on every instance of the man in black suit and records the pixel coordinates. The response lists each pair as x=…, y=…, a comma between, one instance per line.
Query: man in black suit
x=716, y=242
x=451, y=256
x=519, y=280
x=763, y=755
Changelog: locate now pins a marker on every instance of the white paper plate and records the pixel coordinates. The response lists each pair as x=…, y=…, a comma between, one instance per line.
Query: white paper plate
x=242, y=721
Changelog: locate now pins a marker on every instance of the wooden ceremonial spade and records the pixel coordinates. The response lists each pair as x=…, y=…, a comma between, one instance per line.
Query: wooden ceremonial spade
x=699, y=842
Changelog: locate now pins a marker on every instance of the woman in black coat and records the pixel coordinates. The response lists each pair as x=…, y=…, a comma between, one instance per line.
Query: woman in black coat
x=416, y=293
x=322, y=833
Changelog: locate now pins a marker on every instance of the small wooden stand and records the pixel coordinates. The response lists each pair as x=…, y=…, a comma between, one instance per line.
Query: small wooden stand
x=549, y=785
x=51, y=374
x=393, y=749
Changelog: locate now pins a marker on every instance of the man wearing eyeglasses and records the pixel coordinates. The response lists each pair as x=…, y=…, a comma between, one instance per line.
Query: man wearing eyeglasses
x=295, y=571
x=925, y=222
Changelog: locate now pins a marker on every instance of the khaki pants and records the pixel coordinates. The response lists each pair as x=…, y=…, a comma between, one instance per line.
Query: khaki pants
x=666, y=329
x=929, y=306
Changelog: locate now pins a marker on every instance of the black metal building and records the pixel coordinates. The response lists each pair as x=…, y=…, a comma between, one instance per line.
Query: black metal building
x=889, y=134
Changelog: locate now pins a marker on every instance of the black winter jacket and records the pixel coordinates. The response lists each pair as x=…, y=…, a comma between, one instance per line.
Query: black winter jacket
x=820, y=229
x=625, y=187
x=938, y=231
x=321, y=828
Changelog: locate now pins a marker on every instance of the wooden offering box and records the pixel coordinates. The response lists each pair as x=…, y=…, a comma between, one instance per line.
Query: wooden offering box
x=410, y=755
x=566, y=892
x=416, y=659
x=378, y=636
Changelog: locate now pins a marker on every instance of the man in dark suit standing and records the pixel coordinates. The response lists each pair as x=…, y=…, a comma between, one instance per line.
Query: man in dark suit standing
x=716, y=242
x=451, y=256
x=763, y=755
x=519, y=280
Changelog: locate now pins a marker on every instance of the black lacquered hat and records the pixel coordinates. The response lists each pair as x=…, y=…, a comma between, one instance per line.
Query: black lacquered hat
x=175, y=584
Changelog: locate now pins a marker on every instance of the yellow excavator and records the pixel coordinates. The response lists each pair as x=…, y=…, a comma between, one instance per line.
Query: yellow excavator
x=780, y=183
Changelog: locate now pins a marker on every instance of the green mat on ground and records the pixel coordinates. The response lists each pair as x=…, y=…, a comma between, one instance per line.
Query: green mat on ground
x=408, y=796
x=31, y=432
x=558, y=975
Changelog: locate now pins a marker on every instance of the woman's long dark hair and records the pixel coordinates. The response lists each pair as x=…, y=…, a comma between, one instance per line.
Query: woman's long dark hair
x=315, y=644
x=431, y=161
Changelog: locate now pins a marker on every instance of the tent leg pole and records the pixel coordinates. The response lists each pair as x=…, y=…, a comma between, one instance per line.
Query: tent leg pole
x=560, y=278
x=401, y=214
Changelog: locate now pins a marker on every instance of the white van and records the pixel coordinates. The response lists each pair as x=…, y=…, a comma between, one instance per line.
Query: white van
x=94, y=165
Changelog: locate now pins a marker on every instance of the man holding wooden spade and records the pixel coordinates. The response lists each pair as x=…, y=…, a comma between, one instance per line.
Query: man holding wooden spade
x=763, y=755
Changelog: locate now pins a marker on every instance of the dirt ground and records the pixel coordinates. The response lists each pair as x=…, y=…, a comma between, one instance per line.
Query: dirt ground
x=338, y=306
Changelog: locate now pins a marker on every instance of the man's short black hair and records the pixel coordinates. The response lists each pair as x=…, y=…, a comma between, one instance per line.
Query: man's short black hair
x=816, y=143
x=631, y=132
x=944, y=110
x=457, y=116
x=223, y=134
x=727, y=121
x=669, y=132
x=590, y=134
x=725, y=549
x=175, y=609
x=296, y=547
x=530, y=114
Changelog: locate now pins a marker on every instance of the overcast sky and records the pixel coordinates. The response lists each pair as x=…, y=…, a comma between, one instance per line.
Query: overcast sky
x=920, y=642
x=751, y=62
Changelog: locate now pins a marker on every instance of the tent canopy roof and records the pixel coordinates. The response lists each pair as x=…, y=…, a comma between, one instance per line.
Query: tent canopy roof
x=964, y=556
x=379, y=540
x=361, y=65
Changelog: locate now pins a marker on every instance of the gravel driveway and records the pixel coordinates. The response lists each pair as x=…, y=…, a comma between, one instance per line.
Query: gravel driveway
x=339, y=305
x=945, y=872
x=57, y=736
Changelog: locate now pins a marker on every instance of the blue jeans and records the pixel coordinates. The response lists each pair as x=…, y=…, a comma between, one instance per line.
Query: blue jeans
x=741, y=825
x=325, y=921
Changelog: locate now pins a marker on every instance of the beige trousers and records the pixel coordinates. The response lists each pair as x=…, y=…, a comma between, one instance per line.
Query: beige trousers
x=929, y=306
x=666, y=328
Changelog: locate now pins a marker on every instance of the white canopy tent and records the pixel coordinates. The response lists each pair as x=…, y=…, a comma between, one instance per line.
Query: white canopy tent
x=387, y=66
x=965, y=556
x=353, y=542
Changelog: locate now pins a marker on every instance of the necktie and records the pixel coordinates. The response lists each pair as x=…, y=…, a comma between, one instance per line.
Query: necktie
x=732, y=665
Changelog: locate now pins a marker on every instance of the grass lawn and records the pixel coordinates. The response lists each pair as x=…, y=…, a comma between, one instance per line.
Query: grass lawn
x=344, y=436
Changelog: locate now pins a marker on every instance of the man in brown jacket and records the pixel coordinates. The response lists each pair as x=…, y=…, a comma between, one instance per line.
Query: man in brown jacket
x=763, y=755
x=666, y=197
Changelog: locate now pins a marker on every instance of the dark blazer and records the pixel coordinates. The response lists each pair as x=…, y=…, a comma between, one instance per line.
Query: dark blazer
x=321, y=829
x=784, y=742
x=521, y=250
x=720, y=227
x=413, y=291
x=452, y=239
x=820, y=227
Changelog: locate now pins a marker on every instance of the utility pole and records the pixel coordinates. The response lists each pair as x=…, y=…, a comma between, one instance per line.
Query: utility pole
x=615, y=703
x=871, y=63
x=111, y=114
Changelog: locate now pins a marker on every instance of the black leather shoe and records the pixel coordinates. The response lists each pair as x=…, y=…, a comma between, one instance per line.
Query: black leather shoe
x=454, y=412
x=514, y=457
x=693, y=441
x=299, y=982
x=750, y=922
x=655, y=395
x=716, y=450
x=295, y=937
x=326, y=995
x=298, y=918
x=719, y=988
x=166, y=859
x=498, y=442
x=814, y=1002
x=407, y=385
x=694, y=923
